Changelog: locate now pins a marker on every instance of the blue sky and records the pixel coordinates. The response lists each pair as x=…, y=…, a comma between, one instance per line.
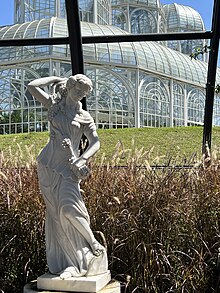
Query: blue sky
x=204, y=7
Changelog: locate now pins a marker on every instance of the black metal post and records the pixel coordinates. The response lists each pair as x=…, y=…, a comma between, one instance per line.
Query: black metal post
x=211, y=76
x=75, y=39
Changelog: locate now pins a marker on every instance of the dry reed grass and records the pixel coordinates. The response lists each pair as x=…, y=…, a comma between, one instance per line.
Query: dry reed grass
x=161, y=227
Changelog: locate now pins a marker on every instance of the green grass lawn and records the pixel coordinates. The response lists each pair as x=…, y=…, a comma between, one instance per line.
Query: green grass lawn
x=157, y=145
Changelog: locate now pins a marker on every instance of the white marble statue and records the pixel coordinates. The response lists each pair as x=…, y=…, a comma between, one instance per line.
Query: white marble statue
x=71, y=247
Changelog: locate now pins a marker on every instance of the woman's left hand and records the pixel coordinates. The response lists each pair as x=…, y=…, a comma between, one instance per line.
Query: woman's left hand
x=79, y=168
x=78, y=162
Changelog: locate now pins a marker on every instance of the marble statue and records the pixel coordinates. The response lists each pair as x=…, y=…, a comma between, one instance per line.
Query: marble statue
x=71, y=248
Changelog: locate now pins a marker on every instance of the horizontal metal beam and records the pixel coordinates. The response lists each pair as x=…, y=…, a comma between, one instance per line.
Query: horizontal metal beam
x=33, y=42
x=108, y=39
x=147, y=37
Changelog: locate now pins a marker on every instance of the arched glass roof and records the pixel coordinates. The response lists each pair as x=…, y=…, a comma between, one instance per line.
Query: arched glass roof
x=149, y=56
x=54, y=27
x=182, y=18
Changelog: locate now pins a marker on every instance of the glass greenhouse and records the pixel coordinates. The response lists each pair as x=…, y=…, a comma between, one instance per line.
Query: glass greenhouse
x=153, y=84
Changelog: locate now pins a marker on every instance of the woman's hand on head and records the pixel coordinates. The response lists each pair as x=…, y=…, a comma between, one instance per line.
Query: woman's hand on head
x=59, y=80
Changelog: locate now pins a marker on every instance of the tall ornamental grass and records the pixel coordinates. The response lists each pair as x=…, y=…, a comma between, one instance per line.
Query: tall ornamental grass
x=161, y=227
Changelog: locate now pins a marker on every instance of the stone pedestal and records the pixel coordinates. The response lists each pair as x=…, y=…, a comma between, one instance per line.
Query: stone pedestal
x=53, y=284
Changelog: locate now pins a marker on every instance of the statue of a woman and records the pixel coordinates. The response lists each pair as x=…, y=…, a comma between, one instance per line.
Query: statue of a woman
x=71, y=247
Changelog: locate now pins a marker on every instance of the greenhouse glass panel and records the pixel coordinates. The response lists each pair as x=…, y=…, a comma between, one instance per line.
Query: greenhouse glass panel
x=62, y=9
x=178, y=105
x=89, y=51
x=115, y=105
x=30, y=31
x=151, y=3
x=103, y=11
x=119, y=19
x=216, y=111
x=59, y=28
x=128, y=54
x=142, y=21
x=30, y=10
x=115, y=53
x=196, y=106
x=102, y=52
x=154, y=103
x=86, y=8
x=60, y=50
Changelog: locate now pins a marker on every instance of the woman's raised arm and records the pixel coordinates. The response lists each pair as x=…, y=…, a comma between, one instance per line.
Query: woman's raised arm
x=35, y=88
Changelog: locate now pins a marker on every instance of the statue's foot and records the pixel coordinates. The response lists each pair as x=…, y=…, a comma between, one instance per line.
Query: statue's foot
x=97, y=248
x=65, y=275
x=71, y=271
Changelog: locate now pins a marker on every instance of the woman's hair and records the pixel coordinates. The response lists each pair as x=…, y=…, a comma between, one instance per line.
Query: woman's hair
x=59, y=90
x=81, y=78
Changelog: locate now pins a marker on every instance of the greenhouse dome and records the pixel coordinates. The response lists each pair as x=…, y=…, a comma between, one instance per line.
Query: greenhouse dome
x=136, y=84
x=183, y=18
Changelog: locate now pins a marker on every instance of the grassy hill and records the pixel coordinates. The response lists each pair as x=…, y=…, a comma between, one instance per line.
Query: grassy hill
x=179, y=145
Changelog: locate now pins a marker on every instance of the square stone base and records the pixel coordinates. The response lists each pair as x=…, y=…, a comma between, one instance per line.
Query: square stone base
x=112, y=287
x=73, y=284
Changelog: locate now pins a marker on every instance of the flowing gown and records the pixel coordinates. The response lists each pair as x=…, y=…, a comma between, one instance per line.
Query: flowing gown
x=66, y=247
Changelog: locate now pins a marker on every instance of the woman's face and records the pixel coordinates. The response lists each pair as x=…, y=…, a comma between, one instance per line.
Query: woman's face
x=78, y=91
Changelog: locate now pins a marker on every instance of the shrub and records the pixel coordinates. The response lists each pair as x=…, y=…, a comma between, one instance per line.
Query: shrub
x=160, y=227
x=22, y=255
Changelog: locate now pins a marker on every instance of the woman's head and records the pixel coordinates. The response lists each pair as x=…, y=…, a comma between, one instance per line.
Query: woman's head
x=79, y=86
